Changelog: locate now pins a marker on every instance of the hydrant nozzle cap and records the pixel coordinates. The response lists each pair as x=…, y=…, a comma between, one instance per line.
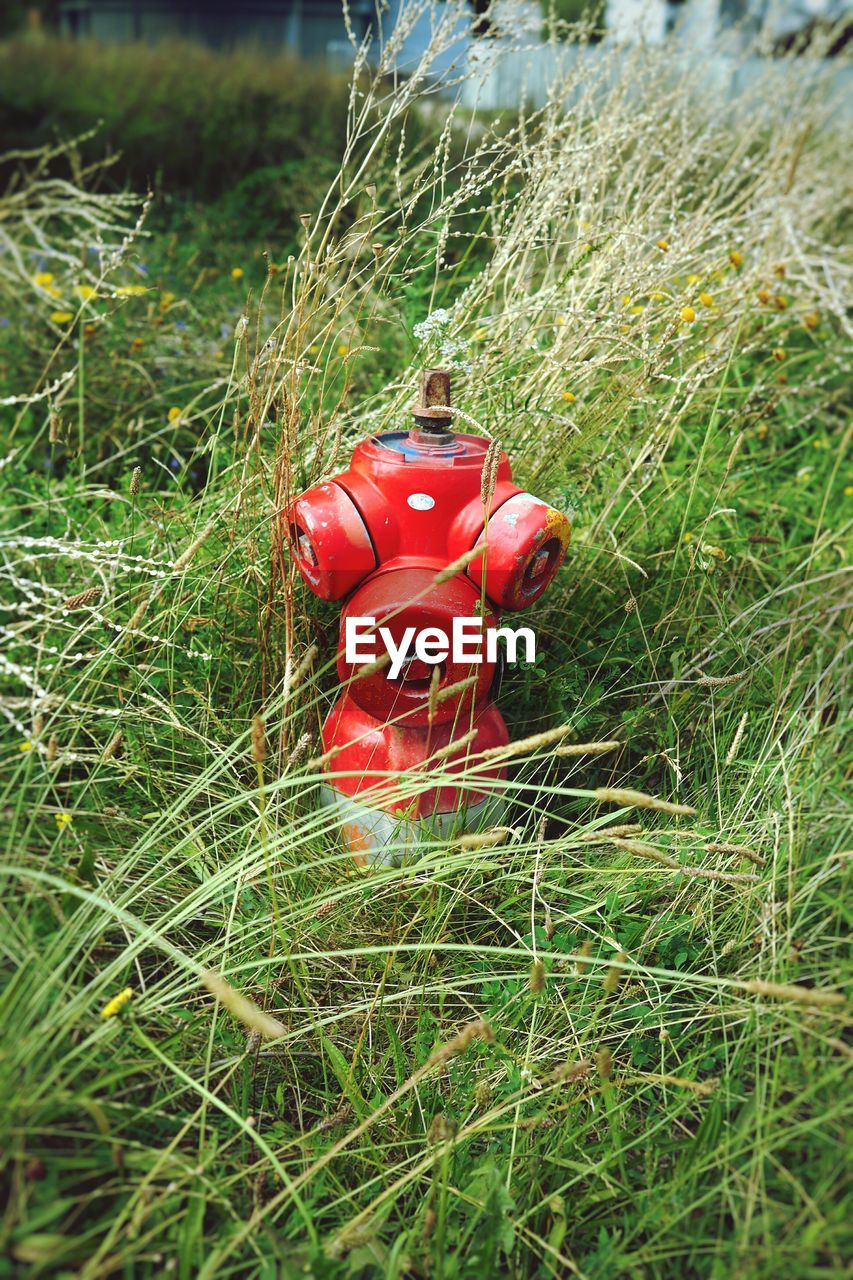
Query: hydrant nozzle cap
x=434, y=400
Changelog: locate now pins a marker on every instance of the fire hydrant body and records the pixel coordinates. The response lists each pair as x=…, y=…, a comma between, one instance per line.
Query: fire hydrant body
x=382, y=533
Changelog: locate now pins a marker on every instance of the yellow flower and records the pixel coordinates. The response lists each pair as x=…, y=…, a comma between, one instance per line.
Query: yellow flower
x=763, y=297
x=657, y=296
x=61, y=317
x=569, y=397
x=848, y=491
x=637, y=311
x=779, y=269
x=663, y=245
x=343, y=349
x=762, y=430
x=166, y=300
x=688, y=537
x=314, y=351
x=694, y=279
x=130, y=290
x=626, y=299
x=779, y=354
x=812, y=320
x=559, y=320
x=43, y=279
x=736, y=258
x=26, y=745
x=137, y=344
x=88, y=328
x=781, y=303
x=236, y=273
x=115, y=1006
x=84, y=292
x=688, y=315
x=63, y=820
x=479, y=336
x=717, y=552
x=173, y=414
x=706, y=299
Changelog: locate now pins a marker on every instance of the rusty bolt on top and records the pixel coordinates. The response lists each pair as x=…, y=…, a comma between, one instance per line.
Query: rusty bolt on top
x=431, y=411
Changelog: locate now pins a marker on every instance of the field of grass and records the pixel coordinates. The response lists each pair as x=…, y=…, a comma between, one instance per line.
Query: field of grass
x=604, y=1040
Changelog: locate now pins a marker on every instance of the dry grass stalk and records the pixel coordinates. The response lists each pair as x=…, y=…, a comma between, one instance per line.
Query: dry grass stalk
x=791, y=991
x=455, y=747
x=741, y=850
x=458, y=686
x=701, y=873
x=606, y=833
x=485, y=839
x=241, y=1008
x=195, y=546
x=736, y=740
x=718, y=682
x=89, y=596
x=639, y=799
x=532, y=743
x=703, y=1088
x=479, y=1030
x=114, y=745
x=459, y=565
x=587, y=748
x=259, y=739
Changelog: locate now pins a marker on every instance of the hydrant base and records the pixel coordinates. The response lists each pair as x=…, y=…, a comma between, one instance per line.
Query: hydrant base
x=376, y=837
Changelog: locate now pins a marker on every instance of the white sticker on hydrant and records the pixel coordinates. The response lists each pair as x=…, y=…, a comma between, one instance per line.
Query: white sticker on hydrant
x=420, y=501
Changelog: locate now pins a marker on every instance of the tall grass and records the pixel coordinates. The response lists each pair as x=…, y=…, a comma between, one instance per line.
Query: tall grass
x=603, y=1040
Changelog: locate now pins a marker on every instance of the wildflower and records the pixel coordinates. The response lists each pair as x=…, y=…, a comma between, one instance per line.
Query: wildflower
x=130, y=290
x=314, y=350
x=114, y=1007
x=736, y=258
x=657, y=296
x=637, y=311
x=812, y=320
x=779, y=354
x=693, y=279
x=84, y=292
x=569, y=397
x=343, y=350
x=706, y=299
x=61, y=317
x=173, y=414
x=626, y=299
x=688, y=315
x=848, y=491
x=781, y=303
x=63, y=820
x=26, y=745
x=166, y=300
x=43, y=279
x=236, y=273
x=480, y=335
x=688, y=537
x=763, y=297
x=779, y=270
x=137, y=344
x=88, y=329
x=559, y=321
x=663, y=245
x=762, y=430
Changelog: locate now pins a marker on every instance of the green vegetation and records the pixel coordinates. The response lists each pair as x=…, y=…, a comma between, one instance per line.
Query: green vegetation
x=605, y=1040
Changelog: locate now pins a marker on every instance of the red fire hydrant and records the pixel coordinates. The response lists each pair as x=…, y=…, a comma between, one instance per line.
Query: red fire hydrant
x=381, y=533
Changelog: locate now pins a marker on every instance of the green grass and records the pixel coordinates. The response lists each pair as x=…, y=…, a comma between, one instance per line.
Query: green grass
x=557, y=1052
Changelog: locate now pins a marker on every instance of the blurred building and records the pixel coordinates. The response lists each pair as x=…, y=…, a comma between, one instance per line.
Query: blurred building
x=701, y=21
x=311, y=28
